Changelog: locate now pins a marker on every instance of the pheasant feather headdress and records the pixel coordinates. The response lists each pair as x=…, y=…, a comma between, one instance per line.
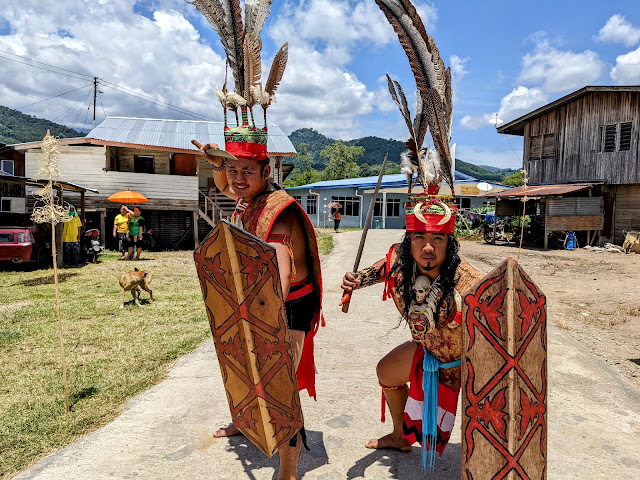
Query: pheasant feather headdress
x=434, y=106
x=243, y=48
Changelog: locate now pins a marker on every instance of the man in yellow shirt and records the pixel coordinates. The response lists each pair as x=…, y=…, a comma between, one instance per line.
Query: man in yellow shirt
x=121, y=229
x=71, y=238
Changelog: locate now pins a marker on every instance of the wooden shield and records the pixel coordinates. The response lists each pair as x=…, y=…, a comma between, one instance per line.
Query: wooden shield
x=504, y=377
x=241, y=288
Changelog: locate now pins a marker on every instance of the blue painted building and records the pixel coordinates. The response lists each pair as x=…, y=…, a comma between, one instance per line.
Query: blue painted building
x=355, y=195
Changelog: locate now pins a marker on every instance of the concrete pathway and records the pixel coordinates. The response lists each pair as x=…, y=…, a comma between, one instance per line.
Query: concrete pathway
x=166, y=432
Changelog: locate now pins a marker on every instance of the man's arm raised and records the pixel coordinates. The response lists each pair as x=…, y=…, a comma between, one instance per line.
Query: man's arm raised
x=219, y=173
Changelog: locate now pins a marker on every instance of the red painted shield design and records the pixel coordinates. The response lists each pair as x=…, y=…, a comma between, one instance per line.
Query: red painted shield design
x=241, y=288
x=504, y=377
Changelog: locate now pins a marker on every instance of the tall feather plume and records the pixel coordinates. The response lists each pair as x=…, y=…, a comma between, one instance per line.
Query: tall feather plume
x=243, y=48
x=235, y=14
x=220, y=14
x=433, y=80
x=276, y=72
x=255, y=14
x=252, y=66
x=403, y=107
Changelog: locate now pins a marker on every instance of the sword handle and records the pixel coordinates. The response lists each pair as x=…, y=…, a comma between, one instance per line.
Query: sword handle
x=346, y=298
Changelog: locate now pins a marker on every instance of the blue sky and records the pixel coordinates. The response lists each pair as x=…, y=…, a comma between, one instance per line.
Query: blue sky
x=507, y=58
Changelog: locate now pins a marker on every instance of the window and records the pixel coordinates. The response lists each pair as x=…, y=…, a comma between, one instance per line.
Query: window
x=312, y=205
x=7, y=166
x=548, y=145
x=377, y=208
x=5, y=205
x=542, y=146
x=616, y=135
x=350, y=205
x=609, y=139
x=535, y=147
x=393, y=207
x=625, y=136
x=465, y=202
x=143, y=163
x=297, y=198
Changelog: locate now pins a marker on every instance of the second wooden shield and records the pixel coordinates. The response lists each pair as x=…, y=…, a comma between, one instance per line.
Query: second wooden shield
x=241, y=288
x=504, y=377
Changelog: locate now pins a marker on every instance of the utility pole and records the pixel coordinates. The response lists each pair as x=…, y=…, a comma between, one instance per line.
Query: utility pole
x=95, y=94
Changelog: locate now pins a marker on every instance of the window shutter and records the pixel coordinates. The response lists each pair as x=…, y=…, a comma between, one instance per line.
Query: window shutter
x=535, y=148
x=548, y=145
x=625, y=136
x=609, y=138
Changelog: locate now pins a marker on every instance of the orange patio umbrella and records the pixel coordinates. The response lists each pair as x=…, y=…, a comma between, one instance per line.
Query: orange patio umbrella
x=128, y=196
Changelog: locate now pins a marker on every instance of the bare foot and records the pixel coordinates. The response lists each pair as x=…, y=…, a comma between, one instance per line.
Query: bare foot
x=228, y=431
x=389, y=441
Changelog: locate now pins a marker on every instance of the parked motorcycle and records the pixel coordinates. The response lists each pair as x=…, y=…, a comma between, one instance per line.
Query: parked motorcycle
x=502, y=233
x=91, y=247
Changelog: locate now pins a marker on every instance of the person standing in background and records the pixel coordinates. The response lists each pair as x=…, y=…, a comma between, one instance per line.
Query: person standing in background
x=136, y=230
x=71, y=238
x=121, y=230
x=337, y=216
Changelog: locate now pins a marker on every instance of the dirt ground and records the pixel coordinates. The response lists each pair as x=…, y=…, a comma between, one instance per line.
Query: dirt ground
x=594, y=296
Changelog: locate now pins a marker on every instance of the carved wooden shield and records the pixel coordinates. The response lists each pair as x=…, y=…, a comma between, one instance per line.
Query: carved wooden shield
x=504, y=377
x=241, y=288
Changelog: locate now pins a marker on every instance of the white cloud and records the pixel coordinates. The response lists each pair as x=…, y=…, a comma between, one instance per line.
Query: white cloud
x=519, y=101
x=619, y=30
x=627, y=69
x=163, y=57
x=458, y=72
x=318, y=90
x=469, y=122
x=554, y=70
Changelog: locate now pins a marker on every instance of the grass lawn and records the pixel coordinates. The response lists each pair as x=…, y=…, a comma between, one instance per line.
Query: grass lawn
x=111, y=354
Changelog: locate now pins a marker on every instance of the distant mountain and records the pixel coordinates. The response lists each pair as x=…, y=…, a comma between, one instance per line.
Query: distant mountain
x=16, y=127
x=375, y=149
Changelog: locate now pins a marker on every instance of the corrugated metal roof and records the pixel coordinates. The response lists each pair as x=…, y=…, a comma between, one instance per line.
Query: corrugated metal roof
x=543, y=190
x=177, y=133
x=388, y=181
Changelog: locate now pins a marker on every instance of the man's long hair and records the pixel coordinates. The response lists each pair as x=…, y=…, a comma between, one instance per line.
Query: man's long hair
x=447, y=272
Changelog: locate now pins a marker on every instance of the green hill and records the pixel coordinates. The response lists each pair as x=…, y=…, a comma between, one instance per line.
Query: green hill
x=17, y=127
x=375, y=149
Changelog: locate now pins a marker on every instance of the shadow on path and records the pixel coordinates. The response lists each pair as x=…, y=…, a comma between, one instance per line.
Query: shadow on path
x=252, y=458
x=404, y=464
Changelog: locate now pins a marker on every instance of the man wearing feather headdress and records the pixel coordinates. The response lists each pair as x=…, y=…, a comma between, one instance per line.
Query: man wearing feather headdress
x=423, y=274
x=241, y=171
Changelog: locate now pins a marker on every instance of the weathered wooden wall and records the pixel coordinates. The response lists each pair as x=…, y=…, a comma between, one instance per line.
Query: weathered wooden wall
x=626, y=211
x=575, y=153
x=161, y=160
x=86, y=166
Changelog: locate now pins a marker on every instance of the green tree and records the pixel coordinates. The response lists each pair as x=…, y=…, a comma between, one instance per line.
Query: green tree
x=304, y=173
x=513, y=180
x=342, y=161
x=366, y=171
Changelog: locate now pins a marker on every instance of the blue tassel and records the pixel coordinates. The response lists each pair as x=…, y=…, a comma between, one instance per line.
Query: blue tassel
x=429, y=410
x=430, y=384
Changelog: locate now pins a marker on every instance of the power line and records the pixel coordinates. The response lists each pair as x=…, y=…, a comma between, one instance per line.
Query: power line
x=83, y=76
x=103, y=111
x=63, y=114
x=157, y=102
x=76, y=76
x=55, y=96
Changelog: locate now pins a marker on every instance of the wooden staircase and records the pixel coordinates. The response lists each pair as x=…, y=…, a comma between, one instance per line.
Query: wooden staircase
x=214, y=207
